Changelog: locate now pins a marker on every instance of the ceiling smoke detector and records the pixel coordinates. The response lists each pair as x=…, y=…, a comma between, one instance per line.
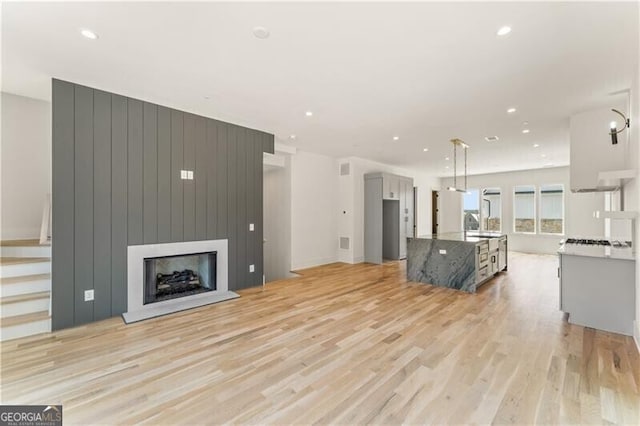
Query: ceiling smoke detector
x=491, y=138
x=261, y=32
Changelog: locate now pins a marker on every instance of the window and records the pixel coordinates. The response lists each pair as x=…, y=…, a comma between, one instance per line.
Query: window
x=491, y=210
x=524, y=208
x=471, y=210
x=552, y=209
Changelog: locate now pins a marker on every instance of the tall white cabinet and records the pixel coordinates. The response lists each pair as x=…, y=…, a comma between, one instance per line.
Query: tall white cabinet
x=388, y=216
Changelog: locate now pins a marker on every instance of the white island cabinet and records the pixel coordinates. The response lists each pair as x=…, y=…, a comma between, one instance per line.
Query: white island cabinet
x=597, y=287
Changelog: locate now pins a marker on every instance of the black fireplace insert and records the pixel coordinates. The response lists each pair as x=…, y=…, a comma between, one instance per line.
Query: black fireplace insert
x=170, y=277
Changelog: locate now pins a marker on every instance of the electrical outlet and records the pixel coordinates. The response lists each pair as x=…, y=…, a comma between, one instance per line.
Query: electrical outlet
x=183, y=174
x=443, y=251
x=252, y=227
x=252, y=268
x=88, y=295
x=190, y=174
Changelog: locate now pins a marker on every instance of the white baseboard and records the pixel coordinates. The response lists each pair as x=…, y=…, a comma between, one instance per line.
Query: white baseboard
x=310, y=263
x=636, y=333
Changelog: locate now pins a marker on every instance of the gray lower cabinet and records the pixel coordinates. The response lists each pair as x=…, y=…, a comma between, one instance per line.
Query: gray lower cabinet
x=388, y=216
x=502, y=253
x=598, y=292
x=491, y=258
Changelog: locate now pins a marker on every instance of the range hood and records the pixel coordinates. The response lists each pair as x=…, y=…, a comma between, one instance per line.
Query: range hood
x=610, y=181
x=597, y=165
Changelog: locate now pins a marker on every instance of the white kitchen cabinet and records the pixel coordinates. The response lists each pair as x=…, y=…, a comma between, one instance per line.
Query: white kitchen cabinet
x=390, y=187
x=388, y=216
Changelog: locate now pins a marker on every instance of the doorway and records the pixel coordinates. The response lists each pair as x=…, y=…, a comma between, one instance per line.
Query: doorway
x=277, y=222
x=435, y=211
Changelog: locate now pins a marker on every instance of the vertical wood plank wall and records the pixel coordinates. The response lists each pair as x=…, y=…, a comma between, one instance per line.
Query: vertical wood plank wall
x=116, y=182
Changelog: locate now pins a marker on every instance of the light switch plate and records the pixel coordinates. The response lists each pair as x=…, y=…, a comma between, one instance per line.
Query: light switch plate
x=252, y=268
x=88, y=295
x=252, y=227
x=442, y=251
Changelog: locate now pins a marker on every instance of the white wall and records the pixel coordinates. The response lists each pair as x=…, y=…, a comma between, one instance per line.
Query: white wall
x=25, y=158
x=314, y=201
x=277, y=221
x=351, y=203
x=579, y=208
x=632, y=189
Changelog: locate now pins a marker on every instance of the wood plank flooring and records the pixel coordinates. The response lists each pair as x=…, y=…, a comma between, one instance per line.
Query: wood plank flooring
x=347, y=344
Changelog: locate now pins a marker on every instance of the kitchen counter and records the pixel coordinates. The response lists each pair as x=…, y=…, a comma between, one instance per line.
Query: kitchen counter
x=453, y=260
x=625, y=253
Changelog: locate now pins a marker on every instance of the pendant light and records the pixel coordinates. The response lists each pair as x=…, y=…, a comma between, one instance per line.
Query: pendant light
x=464, y=146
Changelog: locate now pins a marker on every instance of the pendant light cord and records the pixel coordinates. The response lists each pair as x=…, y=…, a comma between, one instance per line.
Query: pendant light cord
x=465, y=169
x=455, y=156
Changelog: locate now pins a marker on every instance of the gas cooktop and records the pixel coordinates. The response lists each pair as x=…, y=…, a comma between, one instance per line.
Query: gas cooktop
x=589, y=242
x=597, y=242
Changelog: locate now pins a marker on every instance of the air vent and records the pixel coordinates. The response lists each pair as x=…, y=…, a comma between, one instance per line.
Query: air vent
x=491, y=138
x=344, y=243
x=344, y=169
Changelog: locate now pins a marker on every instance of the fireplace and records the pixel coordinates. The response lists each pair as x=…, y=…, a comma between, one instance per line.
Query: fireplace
x=170, y=277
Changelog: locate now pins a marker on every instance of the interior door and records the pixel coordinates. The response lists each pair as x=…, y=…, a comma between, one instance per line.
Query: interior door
x=435, y=212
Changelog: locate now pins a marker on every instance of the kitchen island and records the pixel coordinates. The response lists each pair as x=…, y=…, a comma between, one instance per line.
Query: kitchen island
x=458, y=260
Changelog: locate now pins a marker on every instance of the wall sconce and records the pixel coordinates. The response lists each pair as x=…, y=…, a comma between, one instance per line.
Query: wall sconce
x=614, y=127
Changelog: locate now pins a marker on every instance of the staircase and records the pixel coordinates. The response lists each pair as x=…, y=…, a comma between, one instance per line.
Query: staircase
x=25, y=288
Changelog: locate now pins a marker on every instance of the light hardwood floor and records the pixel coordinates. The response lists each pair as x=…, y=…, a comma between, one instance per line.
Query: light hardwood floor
x=347, y=344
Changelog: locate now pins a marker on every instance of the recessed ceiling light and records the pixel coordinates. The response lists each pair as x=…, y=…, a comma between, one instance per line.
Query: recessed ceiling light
x=308, y=113
x=395, y=138
x=535, y=145
x=89, y=34
x=446, y=167
x=292, y=137
x=504, y=30
x=525, y=131
x=511, y=110
x=425, y=149
x=261, y=32
x=543, y=155
x=491, y=138
x=446, y=158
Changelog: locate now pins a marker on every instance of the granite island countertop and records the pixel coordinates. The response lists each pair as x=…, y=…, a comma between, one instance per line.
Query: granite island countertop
x=469, y=237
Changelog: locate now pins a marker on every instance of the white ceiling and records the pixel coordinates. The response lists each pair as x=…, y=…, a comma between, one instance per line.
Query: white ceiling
x=427, y=72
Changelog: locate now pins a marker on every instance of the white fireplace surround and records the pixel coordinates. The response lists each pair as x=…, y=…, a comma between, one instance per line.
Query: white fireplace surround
x=137, y=310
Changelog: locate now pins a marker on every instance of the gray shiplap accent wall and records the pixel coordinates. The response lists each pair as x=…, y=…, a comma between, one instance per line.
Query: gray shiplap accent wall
x=116, y=182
